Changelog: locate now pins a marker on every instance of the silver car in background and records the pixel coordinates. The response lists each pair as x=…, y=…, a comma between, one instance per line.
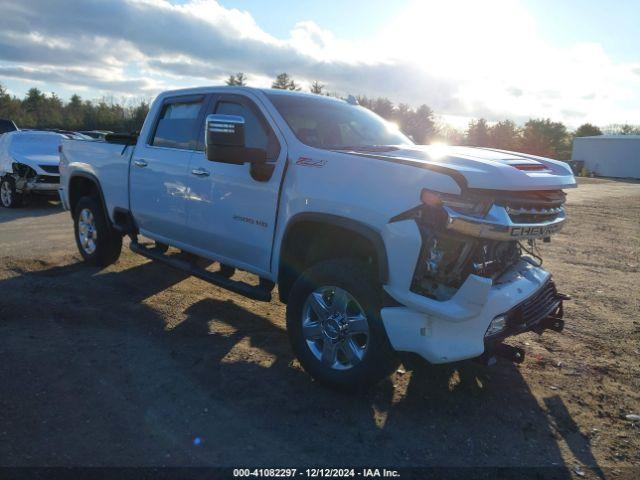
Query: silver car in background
x=29, y=164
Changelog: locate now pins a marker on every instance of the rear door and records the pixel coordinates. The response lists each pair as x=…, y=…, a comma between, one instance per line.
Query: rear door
x=232, y=208
x=159, y=169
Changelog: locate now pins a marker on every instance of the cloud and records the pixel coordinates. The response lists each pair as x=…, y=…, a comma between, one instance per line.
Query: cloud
x=515, y=91
x=202, y=40
x=78, y=77
x=142, y=46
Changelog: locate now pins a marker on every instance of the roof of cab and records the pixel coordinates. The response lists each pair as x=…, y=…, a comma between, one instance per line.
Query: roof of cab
x=236, y=89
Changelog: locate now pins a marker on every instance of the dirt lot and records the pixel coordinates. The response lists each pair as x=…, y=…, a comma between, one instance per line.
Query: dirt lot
x=138, y=364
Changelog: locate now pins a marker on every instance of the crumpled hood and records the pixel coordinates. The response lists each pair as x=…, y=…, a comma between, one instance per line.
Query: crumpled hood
x=482, y=168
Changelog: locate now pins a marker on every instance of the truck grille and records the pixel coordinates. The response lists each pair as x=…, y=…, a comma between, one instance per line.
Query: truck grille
x=535, y=308
x=533, y=215
x=47, y=179
x=51, y=169
x=533, y=207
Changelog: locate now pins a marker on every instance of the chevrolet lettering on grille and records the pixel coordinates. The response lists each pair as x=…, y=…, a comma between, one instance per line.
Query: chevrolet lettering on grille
x=534, y=231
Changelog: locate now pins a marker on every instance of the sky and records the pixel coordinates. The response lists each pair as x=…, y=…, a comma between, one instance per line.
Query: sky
x=574, y=61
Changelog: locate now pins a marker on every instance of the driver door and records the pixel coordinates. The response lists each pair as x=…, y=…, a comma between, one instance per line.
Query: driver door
x=232, y=207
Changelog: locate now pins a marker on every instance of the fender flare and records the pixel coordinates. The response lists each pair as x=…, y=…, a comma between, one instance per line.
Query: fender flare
x=94, y=179
x=355, y=226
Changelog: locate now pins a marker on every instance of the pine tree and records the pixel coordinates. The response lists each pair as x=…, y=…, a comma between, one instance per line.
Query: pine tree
x=284, y=82
x=237, y=80
x=317, y=88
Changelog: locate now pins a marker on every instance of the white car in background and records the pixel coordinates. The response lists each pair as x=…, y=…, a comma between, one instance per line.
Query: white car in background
x=29, y=164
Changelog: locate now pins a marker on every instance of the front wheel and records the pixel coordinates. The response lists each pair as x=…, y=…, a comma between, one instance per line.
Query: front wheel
x=97, y=242
x=334, y=324
x=9, y=197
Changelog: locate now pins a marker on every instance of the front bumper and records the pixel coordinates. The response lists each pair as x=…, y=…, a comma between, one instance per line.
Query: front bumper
x=49, y=188
x=443, y=332
x=42, y=184
x=543, y=310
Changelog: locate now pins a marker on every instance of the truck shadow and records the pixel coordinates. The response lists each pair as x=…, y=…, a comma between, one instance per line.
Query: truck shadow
x=219, y=386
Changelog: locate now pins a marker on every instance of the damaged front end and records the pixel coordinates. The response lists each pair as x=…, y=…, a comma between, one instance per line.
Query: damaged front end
x=483, y=233
x=27, y=180
x=490, y=234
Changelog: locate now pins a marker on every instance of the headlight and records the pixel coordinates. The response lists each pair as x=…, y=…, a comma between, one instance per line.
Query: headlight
x=468, y=204
x=496, y=326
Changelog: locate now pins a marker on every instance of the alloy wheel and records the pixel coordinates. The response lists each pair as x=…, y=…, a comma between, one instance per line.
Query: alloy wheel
x=87, y=233
x=335, y=327
x=6, y=194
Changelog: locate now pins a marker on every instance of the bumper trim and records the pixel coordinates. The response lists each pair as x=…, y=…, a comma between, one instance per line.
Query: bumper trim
x=43, y=187
x=548, y=317
x=497, y=225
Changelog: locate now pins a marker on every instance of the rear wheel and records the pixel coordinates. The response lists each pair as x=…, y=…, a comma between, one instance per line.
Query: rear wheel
x=335, y=328
x=9, y=197
x=98, y=243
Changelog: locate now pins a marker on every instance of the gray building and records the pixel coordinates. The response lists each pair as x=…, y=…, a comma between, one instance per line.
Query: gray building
x=609, y=155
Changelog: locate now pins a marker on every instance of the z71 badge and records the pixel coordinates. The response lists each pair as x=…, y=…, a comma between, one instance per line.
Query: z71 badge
x=310, y=162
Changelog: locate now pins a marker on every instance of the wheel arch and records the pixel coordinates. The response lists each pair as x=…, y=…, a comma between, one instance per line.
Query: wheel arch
x=325, y=236
x=82, y=184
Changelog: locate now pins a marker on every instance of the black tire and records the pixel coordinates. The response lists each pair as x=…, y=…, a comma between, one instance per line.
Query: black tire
x=107, y=243
x=9, y=197
x=379, y=359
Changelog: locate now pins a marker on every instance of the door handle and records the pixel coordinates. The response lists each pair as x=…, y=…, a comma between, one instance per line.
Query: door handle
x=140, y=163
x=200, y=172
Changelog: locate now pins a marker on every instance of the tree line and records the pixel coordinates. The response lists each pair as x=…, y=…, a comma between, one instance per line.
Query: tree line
x=537, y=136
x=39, y=110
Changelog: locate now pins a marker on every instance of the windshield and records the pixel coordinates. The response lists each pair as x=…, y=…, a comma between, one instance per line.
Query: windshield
x=328, y=123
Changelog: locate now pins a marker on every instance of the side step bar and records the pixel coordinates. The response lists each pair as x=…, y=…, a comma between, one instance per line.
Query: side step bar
x=260, y=292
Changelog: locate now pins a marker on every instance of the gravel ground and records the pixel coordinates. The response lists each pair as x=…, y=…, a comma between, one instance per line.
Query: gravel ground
x=138, y=364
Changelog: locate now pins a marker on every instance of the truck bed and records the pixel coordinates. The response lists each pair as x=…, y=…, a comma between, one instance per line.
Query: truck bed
x=107, y=161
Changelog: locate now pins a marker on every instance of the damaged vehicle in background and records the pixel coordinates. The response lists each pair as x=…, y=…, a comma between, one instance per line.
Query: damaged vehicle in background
x=29, y=164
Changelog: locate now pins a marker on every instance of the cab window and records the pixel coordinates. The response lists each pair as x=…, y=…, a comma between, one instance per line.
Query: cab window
x=177, y=125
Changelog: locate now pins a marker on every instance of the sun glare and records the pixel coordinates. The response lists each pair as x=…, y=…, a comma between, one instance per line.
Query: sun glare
x=438, y=150
x=453, y=35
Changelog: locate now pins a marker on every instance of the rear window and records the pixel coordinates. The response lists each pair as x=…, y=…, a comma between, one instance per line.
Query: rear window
x=177, y=126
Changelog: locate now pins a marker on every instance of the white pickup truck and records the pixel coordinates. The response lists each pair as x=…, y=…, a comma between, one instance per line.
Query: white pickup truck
x=377, y=245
